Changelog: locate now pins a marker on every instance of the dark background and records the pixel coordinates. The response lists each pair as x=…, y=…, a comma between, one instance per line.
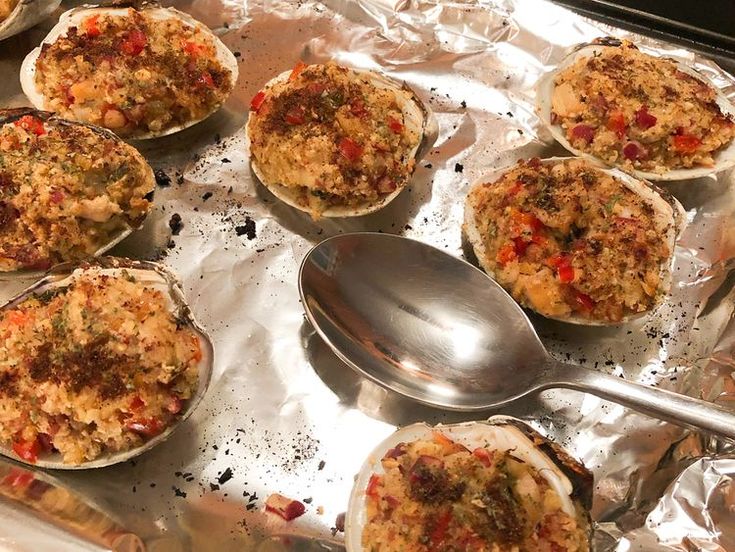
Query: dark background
x=707, y=26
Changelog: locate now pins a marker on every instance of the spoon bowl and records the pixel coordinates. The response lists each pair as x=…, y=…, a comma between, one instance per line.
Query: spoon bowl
x=438, y=330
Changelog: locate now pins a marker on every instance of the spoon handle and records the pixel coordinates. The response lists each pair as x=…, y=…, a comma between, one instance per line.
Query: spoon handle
x=658, y=403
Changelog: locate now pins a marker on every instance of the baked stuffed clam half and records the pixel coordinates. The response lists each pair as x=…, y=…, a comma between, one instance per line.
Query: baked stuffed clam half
x=334, y=141
x=18, y=15
x=100, y=362
x=573, y=240
x=654, y=117
x=484, y=486
x=68, y=191
x=143, y=72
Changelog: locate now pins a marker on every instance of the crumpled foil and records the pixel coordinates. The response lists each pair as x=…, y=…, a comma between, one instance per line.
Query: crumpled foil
x=283, y=414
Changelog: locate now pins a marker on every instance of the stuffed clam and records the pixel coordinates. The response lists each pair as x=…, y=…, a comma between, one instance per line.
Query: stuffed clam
x=483, y=486
x=68, y=191
x=336, y=142
x=575, y=241
x=100, y=362
x=142, y=72
x=18, y=15
x=654, y=117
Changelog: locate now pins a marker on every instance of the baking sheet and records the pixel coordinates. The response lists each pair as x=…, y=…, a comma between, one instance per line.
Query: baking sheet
x=285, y=415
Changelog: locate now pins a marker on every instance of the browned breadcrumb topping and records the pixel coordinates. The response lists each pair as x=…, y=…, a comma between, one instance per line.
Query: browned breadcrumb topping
x=331, y=133
x=65, y=191
x=567, y=239
x=639, y=111
x=133, y=73
x=97, y=366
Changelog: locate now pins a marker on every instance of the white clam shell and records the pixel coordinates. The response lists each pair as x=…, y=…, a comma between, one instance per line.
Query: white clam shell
x=74, y=17
x=153, y=275
x=669, y=214
x=25, y=15
x=724, y=158
x=11, y=115
x=500, y=433
x=417, y=117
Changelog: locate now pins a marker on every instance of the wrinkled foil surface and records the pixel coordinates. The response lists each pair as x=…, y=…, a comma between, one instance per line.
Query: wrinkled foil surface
x=283, y=414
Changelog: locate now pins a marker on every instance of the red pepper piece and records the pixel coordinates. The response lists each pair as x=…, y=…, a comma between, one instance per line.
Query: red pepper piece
x=295, y=116
x=483, y=455
x=296, y=71
x=686, y=143
x=194, y=49
x=563, y=265
x=584, y=301
x=27, y=450
x=506, y=254
x=136, y=404
x=520, y=246
x=57, y=196
x=616, y=123
x=148, y=427
x=90, y=26
x=134, y=43
x=285, y=507
x=31, y=124
x=395, y=125
x=439, y=532
x=372, y=487
x=644, y=119
x=583, y=132
x=565, y=274
x=257, y=101
x=357, y=108
x=633, y=151
x=515, y=188
x=349, y=149
x=205, y=80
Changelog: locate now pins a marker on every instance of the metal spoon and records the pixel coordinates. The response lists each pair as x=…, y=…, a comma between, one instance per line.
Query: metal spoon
x=435, y=328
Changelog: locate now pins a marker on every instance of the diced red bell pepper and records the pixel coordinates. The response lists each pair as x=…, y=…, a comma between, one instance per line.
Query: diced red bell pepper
x=583, y=132
x=296, y=71
x=31, y=124
x=205, y=80
x=439, y=532
x=395, y=125
x=527, y=219
x=90, y=26
x=349, y=149
x=27, y=450
x=194, y=49
x=148, y=427
x=136, y=404
x=686, y=143
x=295, y=116
x=57, y=196
x=562, y=262
x=372, y=487
x=520, y=246
x=584, y=301
x=257, y=101
x=317, y=88
x=534, y=162
x=134, y=43
x=616, y=123
x=483, y=455
x=644, y=119
x=565, y=274
x=357, y=108
x=506, y=254
x=285, y=507
x=395, y=452
x=633, y=151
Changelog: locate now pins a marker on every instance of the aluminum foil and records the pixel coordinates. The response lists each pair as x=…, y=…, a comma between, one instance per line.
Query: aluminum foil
x=283, y=414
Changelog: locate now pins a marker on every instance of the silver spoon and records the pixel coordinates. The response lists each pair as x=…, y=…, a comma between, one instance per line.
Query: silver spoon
x=435, y=328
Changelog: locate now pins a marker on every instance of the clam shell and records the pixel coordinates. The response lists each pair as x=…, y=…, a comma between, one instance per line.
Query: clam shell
x=154, y=275
x=670, y=217
x=25, y=15
x=568, y=477
x=11, y=115
x=724, y=158
x=75, y=16
x=417, y=117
